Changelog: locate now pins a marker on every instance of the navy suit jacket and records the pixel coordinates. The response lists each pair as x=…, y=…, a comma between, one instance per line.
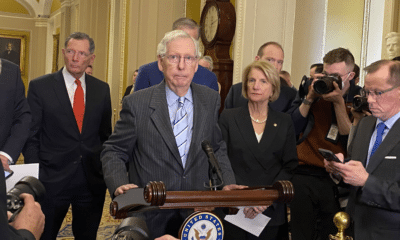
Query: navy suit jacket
x=375, y=207
x=149, y=75
x=15, y=115
x=55, y=141
x=235, y=98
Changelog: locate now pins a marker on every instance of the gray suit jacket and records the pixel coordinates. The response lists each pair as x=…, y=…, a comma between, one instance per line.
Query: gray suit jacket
x=375, y=208
x=144, y=134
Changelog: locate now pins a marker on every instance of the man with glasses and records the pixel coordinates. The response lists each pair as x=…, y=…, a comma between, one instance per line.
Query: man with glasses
x=162, y=128
x=271, y=52
x=149, y=74
x=373, y=172
x=71, y=114
x=321, y=121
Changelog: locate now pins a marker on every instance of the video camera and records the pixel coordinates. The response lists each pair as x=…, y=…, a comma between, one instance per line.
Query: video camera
x=360, y=104
x=28, y=184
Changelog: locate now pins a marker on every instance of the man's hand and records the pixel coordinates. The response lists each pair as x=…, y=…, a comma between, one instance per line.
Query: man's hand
x=4, y=161
x=336, y=96
x=31, y=216
x=352, y=172
x=122, y=189
x=233, y=187
x=167, y=237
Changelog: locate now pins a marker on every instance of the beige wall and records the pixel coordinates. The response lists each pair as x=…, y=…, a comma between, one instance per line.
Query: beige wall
x=344, y=26
x=37, y=44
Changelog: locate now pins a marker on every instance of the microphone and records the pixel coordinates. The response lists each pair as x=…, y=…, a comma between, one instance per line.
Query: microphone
x=211, y=158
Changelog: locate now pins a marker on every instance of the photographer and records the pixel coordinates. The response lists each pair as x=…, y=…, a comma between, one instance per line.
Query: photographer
x=321, y=121
x=28, y=224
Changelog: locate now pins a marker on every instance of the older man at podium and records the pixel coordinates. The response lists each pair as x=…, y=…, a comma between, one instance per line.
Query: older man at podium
x=161, y=129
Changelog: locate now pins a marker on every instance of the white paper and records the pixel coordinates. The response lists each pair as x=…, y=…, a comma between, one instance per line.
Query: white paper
x=20, y=171
x=253, y=226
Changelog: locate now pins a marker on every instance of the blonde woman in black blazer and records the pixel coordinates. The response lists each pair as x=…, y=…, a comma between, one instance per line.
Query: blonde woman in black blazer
x=261, y=144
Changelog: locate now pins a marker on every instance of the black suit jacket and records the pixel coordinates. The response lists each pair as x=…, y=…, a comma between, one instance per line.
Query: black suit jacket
x=55, y=140
x=15, y=118
x=15, y=115
x=375, y=208
x=260, y=163
x=235, y=98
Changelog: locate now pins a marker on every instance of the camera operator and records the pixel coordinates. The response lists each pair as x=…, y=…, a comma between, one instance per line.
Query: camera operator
x=321, y=121
x=28, y=224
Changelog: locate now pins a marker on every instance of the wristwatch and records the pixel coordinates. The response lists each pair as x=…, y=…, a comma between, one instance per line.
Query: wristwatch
x=306, y=102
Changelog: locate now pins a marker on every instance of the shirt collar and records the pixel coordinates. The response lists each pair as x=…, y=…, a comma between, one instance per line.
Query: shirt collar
x=390, y=122
x=70, y=80
x=172, y=97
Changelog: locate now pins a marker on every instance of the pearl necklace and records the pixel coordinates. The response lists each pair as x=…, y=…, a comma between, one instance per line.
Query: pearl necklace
x=258, y=121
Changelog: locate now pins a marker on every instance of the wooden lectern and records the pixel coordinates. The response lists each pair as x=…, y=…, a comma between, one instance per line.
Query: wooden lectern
x=155, y=196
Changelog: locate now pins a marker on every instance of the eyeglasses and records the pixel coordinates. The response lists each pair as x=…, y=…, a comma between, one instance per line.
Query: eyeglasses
x=176, y=59
x=80, y=54
x=376, y=94
x=273, y=60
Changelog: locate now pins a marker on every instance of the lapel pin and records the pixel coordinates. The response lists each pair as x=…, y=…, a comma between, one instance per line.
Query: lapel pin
x=275, y=124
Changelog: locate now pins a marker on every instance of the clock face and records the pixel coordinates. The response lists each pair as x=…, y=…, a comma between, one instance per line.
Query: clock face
x=211, y=23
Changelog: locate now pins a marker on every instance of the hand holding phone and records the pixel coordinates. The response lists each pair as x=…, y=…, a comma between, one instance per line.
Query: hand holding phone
x=328, y=155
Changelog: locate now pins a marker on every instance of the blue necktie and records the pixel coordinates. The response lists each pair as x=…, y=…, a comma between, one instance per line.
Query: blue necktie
x=379, y=133
x=181, y=127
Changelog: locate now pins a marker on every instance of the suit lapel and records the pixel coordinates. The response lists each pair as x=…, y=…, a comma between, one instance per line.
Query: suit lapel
x=390, y=141
x=90, y=101
x=246, y=129
x=160, y=118
x=62, y=96
x=199, y=121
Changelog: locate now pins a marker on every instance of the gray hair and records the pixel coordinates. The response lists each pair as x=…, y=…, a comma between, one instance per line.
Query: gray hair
x=183, y=23
x=81, y=36
x=209, y=60
x=171, y=36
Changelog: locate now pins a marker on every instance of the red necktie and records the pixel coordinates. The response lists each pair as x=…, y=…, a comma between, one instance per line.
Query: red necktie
x=79, y=104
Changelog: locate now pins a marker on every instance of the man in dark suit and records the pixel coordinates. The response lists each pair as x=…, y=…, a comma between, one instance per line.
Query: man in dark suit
x=373, y=173
x=149, y=132
x=14, y=130
x=273, y=53
x=149, y=74
x=15, y=113
x=71, y=120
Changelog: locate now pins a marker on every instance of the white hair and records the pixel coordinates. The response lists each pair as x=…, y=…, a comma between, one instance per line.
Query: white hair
x=171, y=36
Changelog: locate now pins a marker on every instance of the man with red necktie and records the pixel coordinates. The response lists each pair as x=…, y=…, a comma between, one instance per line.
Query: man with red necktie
x=71, y=114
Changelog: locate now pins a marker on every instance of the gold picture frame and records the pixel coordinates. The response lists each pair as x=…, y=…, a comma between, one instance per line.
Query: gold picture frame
x=14, y=46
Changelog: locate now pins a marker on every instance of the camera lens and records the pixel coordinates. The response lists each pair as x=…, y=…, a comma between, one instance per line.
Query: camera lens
x=28, y=185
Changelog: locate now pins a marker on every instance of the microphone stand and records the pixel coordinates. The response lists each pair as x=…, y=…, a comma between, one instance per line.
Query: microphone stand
x=212, y=174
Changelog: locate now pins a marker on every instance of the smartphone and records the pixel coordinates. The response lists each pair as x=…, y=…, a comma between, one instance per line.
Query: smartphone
x=8, y=173
x=328, y=155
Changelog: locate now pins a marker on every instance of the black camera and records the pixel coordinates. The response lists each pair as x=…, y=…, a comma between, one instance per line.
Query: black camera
x=131, y=228
x=360, y=104
x=29, y=185
x=325, y=84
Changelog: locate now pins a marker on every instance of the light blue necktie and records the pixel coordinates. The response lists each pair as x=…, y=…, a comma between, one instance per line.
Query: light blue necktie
x=379, y=133
x=181, y=127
